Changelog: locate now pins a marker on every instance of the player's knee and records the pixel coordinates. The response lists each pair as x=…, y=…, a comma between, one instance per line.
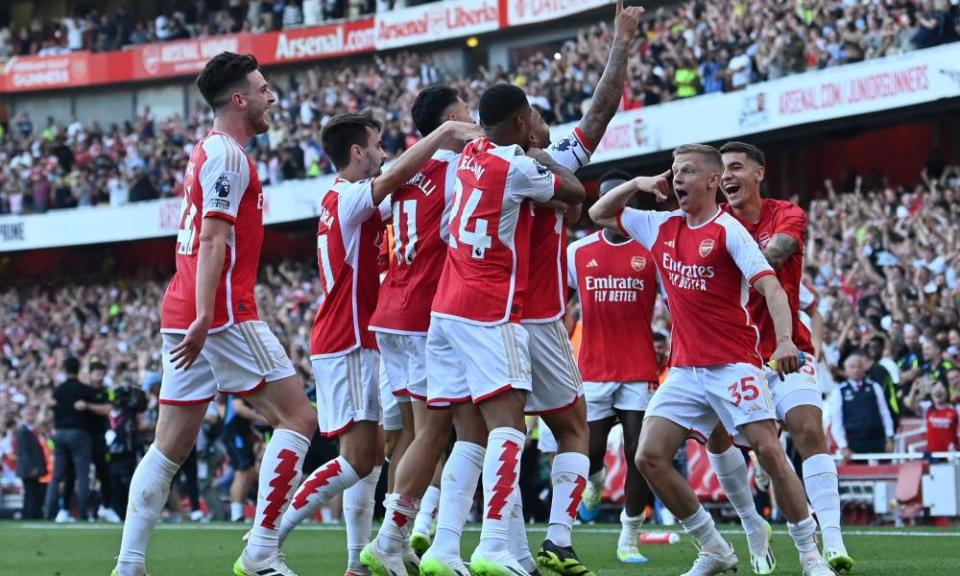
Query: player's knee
x=175, y=449
x=771, y=456
x=303, y=421
x=719, y=441
x=648, y=460
x=390, y=439
x=809, y=438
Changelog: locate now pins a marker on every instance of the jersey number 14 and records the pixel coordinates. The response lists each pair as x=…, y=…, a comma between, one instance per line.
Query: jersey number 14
x=478, y=239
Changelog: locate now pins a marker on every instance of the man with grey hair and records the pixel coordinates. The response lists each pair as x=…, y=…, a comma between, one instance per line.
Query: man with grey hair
x=707, y=260
x=860, y=418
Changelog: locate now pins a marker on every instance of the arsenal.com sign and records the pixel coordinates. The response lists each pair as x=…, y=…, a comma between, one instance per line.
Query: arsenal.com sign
x=316, y=43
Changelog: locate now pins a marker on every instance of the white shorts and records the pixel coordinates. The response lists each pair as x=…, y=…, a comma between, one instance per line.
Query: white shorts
x=405, y=359
x=556, y=377
x=697, y=398
x=392, y=418
x=603, y=398
x=238, y=360
x=800, y=388
x=547, y=443
x=472, y=362
x=348, y=390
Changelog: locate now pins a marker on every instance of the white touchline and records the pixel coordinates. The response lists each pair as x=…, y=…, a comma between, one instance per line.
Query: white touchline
x=225, y=527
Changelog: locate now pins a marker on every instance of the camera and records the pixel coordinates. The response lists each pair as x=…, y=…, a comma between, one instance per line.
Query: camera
x=129, y=398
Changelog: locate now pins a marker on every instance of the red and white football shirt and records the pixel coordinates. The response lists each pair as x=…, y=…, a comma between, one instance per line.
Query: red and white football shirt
x=707, y=271
x=348, y=248
x=545, y=296
x=489, y=246
x=617, y=284
x=421, y=212
x=779, y=217
x=220, y=182
x=941, y=428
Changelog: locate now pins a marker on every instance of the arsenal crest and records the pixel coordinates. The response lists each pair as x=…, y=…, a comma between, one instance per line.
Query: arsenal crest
x=638, y=263
x=706, y=247
x=763, y=240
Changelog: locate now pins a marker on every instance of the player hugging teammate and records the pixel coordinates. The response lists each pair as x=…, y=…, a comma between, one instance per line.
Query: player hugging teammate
x=466, y=333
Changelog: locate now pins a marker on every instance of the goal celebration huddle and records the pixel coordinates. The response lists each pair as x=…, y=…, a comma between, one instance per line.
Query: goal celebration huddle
x=432, y=344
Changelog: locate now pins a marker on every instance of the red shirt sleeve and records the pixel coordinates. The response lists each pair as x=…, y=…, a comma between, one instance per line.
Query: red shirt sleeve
x=792, y=221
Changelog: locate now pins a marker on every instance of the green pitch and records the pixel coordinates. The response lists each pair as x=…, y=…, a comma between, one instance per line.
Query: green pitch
x=200, y=550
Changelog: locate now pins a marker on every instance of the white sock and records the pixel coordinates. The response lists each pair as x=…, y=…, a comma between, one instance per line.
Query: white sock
x=394, y=534
x=804, y=536
x=428, y=511
x=630, y=529
x=458, y=484
x=700, y=526
x=149, y=489
x=822, y=484
x=731, y=470
x=358, y=515
x=569, y=479
x=236, y=511
x=501, y=474
x=280, y=473
x=519, y=547
x=326, y=481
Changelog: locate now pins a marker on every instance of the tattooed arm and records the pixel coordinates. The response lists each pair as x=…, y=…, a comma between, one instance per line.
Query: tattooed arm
x=606, y=96
x=780, y=248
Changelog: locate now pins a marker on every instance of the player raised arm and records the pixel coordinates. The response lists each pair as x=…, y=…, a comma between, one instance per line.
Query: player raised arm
x=452, y=134
x=786, y=354
x=609, y=90
x=570, y=190
x=606, y=211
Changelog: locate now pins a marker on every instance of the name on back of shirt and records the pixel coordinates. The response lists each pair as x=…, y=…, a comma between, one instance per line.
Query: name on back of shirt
x=423, y=183
x=687, y=276
x=468, y=164
x=326, y=218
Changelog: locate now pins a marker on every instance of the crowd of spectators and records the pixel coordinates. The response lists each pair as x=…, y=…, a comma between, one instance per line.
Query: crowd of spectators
x=883, y=260
x=692, y=48
x=108, y=30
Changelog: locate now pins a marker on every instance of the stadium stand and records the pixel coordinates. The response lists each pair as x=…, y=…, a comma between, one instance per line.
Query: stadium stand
x=690, y=49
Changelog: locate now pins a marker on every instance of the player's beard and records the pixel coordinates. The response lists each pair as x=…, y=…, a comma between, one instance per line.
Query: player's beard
x=259, y=122
x=375, y=166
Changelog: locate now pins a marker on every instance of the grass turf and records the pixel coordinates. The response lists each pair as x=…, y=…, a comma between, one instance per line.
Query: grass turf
x=32, y=549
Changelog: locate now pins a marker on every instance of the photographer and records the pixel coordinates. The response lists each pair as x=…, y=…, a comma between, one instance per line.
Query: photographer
x=124, y=442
